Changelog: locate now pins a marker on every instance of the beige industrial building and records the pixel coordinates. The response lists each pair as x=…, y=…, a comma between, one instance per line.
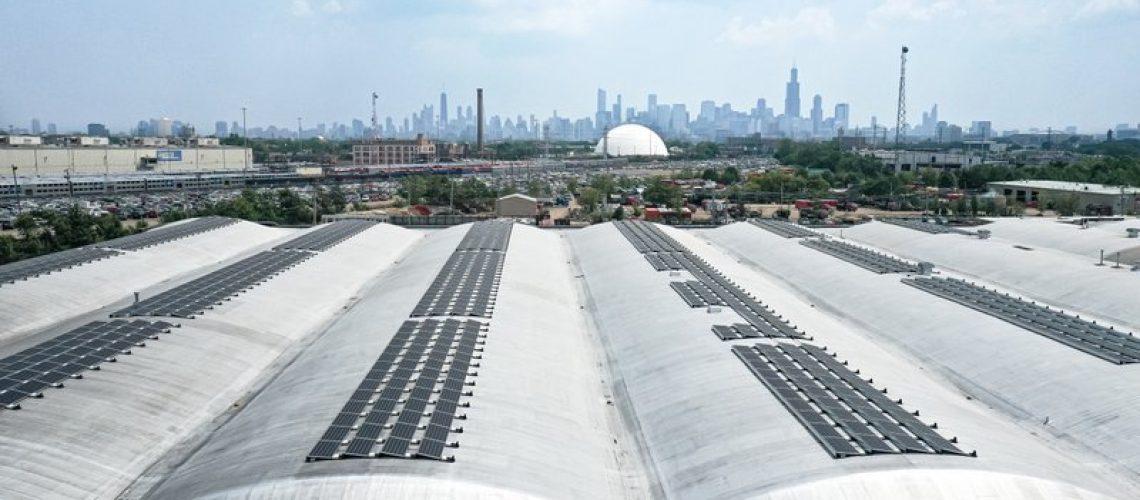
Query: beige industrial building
x=393, y=151
x=84, y=157
x=516, y=205
x=1121, y=199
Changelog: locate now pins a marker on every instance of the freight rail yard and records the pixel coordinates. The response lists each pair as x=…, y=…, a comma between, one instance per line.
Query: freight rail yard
x=217, y=358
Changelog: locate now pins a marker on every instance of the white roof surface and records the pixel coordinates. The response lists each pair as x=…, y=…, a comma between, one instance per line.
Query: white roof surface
x=596, y=380
x=1068, y=186
x=632, y=139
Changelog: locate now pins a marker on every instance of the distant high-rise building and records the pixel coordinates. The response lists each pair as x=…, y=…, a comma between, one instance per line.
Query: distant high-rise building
x=679, y=120
x=842, y=115
x=617, y=110
x=235, y=128
x=142, y=129
x=816, y=114
x=221, y=129
x=35, y=126
x=443, y=110
x=51, y=129
x=792, y=99
x=357, y=128
x=981, y=129
x=601, y=116
x=651, y=109
x=163, y=127
x=97, y=130
x=708, y=112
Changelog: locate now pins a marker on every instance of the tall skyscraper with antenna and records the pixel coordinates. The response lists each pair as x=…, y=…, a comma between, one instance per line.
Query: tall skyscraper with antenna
x=792, y=99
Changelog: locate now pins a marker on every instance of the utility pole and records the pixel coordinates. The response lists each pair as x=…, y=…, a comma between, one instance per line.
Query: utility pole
x=245, y=142
x=900, y=119
x=16, y=188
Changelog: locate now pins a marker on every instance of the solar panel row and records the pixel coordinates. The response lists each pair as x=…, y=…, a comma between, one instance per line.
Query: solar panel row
x=195, y=297
x=710, y=288
x=862, y=257
x=406, y=404
x=326, y=237
x=1106, y=343
x=30, y=268
x=164, y=234
x=845, y=413
x=466, y=286
x=408, y=401
x=924, y=226
x=48, y=364
x=784, y=228
x=647, y=238
x=492, y=235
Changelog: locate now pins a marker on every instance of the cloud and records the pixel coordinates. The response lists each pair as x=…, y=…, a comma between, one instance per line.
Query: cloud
x=332, y=7
x=812, y=23
x=300, y=8
x=1094, y=8
x=558, y=17
x=913, y=10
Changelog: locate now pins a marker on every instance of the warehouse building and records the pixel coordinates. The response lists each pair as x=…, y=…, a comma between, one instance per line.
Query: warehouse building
x=1112, y=200
x=625, y=360
x=516, y=205
x=93, y=156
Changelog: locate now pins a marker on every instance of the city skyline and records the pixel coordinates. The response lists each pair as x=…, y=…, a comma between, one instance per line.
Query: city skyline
x=534, y=57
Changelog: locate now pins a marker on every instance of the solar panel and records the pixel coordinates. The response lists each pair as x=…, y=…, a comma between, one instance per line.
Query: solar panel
x=466, y=286
x=784, y=228
x=166, y=234
x=406, y=402
x=327, y=236
x=50, y=363
x=862, y=257
x=924, y=226
x=1106, y=343
x=845, y=413
x=54, y=262
x=492, y=235
x=195, y=297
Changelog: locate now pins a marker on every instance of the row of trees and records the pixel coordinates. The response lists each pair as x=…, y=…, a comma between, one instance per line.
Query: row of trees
x=46, y=231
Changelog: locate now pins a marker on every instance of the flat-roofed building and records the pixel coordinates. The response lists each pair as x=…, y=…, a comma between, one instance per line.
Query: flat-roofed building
x=1100, y=197
x=394, y=151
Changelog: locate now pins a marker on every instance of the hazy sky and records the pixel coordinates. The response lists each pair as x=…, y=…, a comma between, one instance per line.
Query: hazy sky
x=1019, y=63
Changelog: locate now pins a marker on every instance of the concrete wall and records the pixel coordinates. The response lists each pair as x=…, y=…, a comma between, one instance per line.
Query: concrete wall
x=54, y=162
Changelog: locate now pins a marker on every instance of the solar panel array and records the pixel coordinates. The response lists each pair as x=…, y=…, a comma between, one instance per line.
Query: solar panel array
x=466, y=286
x=326, y=237
x=487, y=235
x=784, y=228
x=710, y=286
x=921, y=225
x=647, y=238
x=845, y=413
x=1106, y=343
x=407, y=403
x=48, y=364
x=195, y=297
x=166, y=234
x=868, y=259
x=30, y=268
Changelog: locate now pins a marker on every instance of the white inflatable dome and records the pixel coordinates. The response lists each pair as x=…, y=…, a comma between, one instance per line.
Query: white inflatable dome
x=632, y=139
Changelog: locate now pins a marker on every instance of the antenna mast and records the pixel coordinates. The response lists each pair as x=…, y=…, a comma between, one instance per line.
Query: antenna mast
x=900, y=120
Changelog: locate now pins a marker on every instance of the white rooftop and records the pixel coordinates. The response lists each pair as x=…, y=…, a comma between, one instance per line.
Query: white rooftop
x=596, y=379
x=1068, y=186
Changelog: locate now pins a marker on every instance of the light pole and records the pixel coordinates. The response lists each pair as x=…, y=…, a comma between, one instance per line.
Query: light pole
x=16, y=187
x=245, y=146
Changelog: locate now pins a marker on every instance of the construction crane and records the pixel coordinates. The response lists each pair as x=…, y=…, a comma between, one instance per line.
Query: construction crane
x=900, y=119
x=375, y=121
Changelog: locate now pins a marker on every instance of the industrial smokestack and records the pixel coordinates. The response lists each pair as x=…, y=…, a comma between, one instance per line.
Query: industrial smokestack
x=479, y=126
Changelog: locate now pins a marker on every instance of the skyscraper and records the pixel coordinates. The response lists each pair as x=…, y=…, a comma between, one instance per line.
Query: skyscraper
x=708, y=112
x=443, y=110
x=221, y=129
x=792, y=101
x=616, y=115
x=36, y=126
x=651, y=109
x=842, y=114
x=816, y=114
x=601, y=117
